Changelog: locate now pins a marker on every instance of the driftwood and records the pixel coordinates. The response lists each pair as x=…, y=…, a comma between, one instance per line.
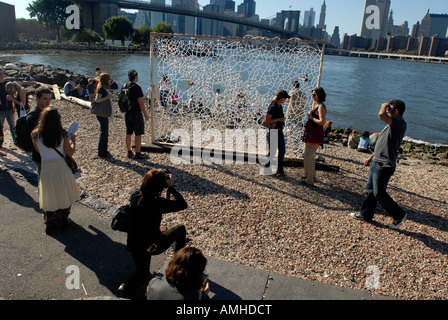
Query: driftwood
x=83, y=103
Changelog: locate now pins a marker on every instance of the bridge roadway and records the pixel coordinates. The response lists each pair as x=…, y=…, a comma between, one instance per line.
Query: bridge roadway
x=143, y=5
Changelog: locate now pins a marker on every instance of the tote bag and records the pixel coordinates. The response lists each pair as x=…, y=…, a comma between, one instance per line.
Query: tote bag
x=102, y=109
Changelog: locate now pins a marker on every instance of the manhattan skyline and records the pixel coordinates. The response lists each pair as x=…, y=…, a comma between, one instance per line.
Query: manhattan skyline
x=347, y=14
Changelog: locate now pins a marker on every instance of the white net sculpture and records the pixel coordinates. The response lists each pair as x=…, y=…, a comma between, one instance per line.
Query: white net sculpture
x=247, y=72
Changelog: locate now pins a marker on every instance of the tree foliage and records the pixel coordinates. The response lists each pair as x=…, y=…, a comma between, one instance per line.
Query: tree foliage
x=163, y=27
x=50, y=13
x=142, y=34
x=87, y=35
x=118, y=28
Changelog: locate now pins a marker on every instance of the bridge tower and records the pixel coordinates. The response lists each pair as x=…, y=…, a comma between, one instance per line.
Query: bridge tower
x=290, y=20
x=96, y=12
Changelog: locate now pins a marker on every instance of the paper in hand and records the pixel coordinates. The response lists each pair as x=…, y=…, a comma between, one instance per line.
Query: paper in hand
x=73, y=128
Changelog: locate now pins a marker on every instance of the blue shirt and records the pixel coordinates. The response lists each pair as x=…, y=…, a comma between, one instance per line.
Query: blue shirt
x=364, y=143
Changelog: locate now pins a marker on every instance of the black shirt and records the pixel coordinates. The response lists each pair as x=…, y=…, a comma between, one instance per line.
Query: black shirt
x=135, y=92
x=277, y=112
x=32, y=119
x=145, y=220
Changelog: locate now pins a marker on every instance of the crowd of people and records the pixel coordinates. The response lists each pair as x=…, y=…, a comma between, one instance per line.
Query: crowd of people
x=185, y=278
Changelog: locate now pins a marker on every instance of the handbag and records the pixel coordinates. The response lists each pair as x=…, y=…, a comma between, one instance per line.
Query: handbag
x=70, y=162
x=314, y=133
x=268, y=125
x=102, y=109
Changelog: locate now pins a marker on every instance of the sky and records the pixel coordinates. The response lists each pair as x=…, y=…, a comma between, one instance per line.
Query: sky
x=347, y=14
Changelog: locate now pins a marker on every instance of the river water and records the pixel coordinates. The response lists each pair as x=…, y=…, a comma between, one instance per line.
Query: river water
x=356, y=88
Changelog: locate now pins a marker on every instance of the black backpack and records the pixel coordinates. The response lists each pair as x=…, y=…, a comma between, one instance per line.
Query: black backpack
x=120, y=219
x=23, y=136
x=122, y=216
x=124, y=103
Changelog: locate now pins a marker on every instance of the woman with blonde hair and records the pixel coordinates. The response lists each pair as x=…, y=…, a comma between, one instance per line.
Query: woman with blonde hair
x=57, y=185
x=145, y=237
x=102, y=95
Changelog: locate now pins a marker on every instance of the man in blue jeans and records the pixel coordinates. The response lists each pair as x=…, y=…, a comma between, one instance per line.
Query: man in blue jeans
x=382, y=165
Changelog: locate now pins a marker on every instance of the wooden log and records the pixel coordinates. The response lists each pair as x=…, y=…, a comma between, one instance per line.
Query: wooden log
x=83, y=103
x=57, y=93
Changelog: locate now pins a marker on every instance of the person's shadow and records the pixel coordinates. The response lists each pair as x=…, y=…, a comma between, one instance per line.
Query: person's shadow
x=15, y=192
x=108, y=259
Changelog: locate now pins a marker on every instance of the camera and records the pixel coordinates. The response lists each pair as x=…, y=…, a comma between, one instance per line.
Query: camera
x=204, y=278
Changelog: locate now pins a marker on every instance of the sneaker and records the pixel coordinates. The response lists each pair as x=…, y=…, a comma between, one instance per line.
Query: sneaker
x=280, y=174
x=139, y=155
x=106, y=156
x=130, y=154
x=397, y=223
x=359, y=216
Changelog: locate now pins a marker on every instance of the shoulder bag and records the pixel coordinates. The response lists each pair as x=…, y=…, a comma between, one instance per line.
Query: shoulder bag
x=70, y=162
x=102, y=109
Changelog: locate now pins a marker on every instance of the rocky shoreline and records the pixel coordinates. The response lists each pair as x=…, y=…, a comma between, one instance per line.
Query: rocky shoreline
x=278, y=224
x=41, y=48
x=31, y=76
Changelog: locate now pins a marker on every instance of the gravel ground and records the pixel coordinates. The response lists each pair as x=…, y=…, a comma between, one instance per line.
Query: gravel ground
x=280, y=225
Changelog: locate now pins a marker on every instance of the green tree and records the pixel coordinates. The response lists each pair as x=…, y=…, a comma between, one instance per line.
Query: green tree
x=163, y=27
x=50, y=13
x=118, y=28
x=142, y=34
x=86, y=35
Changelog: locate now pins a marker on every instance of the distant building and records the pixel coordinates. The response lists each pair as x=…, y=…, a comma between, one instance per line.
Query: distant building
x=335, y=38
x=230, y=5
x=157, y=17
x=142, y=19
x=394, y=30
x=8, y=29
x=434, y=24
x=309, y=18
x=183, y=24
x=323, y=12
x=356, y=42
x=367, y=31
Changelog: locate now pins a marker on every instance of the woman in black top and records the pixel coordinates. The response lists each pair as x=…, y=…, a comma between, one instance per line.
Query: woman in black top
x=145, y=237
x=275, y=119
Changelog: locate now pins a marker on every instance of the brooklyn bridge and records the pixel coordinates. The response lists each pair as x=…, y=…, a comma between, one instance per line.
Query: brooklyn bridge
x=96, y=12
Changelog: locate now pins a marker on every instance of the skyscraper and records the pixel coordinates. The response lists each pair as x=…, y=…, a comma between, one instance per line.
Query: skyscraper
x=375, y=17
x=157, y=17
x=251, y=5
x=323, y=12
x=309, y=18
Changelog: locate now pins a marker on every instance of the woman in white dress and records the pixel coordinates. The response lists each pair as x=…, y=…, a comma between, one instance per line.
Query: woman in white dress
x=57, y=185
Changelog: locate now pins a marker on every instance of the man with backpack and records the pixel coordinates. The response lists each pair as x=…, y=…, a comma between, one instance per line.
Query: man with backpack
x=135, y=112
x=43, y=99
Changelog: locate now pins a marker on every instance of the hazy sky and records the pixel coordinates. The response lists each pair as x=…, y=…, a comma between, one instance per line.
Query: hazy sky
x=347, y=14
